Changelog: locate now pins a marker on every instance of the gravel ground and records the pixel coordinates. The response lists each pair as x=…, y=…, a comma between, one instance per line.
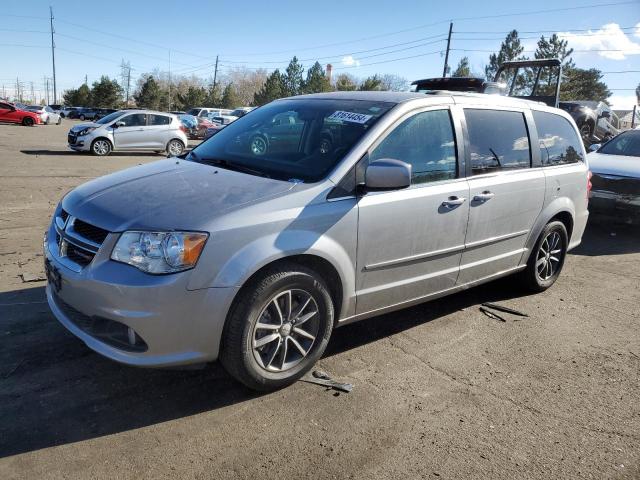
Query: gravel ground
x=440, y=390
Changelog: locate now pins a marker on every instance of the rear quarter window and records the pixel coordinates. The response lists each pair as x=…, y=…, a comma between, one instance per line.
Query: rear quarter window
x=559, y=142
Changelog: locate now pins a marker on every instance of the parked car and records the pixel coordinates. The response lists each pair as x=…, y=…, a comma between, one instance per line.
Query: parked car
x=205, y=112
x=218, y=123
x=254, y=258
x=595, y=120
x=12, y=113
x=241, y=112
x=47, y=115
x=56, y=108
x=191, y=125
x=103, y=112
x=130, y=130
x=203, y=124
x=615, y=167
x=84, y=113
x=67, y=111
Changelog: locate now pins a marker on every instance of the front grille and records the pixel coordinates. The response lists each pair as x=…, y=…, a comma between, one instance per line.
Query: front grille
x=90, y=232
x=77, y=241
x=108, y=331
x=71, y=139
x=79, y=255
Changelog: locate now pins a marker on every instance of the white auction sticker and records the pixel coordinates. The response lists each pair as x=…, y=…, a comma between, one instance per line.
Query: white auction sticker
x=349, y=117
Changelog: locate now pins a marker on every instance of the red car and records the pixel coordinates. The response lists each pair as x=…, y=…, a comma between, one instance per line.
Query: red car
x=10, y=113
x=203, y=124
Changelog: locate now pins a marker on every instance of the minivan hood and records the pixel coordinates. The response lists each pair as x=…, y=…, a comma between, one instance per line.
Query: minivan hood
x=620, y=165
x=169, y=194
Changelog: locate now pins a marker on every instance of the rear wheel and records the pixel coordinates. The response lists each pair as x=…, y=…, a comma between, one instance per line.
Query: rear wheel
x=278, y=328
x=175, y=147
x=547, y=258
x=81, y=117
x=101, y=147
x=28, y=122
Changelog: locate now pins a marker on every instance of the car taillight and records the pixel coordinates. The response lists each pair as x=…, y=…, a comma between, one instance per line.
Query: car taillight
x=183, y=128
x=589, y=184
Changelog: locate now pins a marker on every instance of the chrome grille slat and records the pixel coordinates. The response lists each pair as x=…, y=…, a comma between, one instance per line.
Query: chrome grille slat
x=78, y=241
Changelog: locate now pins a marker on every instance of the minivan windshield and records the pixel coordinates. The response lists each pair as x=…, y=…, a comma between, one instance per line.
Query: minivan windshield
x=109, y=118
x=297, y=139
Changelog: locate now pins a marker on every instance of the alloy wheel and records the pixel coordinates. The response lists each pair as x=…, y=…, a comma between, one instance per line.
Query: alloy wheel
x=286, y=330
x=258, y=146
x=101, y=147
x=549, y=256
x=175, y=148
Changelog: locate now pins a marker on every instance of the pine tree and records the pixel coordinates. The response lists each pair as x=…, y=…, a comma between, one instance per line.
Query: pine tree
x=148, y=94
x=317, y=80
x=193, y=97
x=511, y=49
x=555, y=47
x=293, y=79
x=581, y=84
x=80, y=97
x=272, y=89
x=371, y=83
x=229, y=97
x=346, y=83
x=106, y=93
x=463, y=69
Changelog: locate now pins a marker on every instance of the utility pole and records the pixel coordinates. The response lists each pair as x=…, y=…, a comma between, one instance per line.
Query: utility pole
x=125, y=74
x=53, y=58
x=86, y=80
x=33, y=95
x=46, y=88
x=633, y=117
x=169, y=80
x=215, y=74
x=18, y=93
x=446, y=57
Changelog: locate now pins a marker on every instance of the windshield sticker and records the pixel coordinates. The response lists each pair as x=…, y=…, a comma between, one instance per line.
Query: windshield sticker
x=349, y=117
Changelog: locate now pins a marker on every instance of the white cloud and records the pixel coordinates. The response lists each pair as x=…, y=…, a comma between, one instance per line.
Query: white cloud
x=636, y=32
x=349, y=61
x=608, y=42
x=622, y=102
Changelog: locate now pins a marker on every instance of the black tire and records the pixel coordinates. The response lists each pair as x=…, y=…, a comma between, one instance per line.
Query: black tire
x=62, y=115
x=175, y=147
x=245, y=361
x=59, y=122
x=101, y=147
x=28, y=122
x=542, y=271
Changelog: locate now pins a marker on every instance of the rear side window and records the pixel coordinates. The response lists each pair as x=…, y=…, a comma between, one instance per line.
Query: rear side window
x=159, y=120
x=426, y=141
x=498, y=139
x=559, y=142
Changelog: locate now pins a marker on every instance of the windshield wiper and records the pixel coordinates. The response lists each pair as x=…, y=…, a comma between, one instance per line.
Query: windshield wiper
x=218, y=162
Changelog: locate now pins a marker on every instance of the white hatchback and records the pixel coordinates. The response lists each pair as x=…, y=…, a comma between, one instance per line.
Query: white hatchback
x=130, y=130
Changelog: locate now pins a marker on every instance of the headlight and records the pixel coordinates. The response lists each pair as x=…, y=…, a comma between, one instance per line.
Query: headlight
x=159, y=252
x=86, y=130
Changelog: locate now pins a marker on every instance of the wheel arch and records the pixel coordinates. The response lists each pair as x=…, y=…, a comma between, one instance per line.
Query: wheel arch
x=561, y=209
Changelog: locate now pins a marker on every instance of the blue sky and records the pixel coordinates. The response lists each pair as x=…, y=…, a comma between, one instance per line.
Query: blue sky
x=358, y=37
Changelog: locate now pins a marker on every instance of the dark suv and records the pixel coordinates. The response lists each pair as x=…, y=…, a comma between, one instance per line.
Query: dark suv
x=595, y=120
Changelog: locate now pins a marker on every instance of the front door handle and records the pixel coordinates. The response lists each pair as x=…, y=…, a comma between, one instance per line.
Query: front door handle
x=453, y=202
x=484, y=196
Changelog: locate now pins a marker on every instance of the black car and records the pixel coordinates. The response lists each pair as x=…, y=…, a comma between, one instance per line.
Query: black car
x=595, y=120
x=103, y=112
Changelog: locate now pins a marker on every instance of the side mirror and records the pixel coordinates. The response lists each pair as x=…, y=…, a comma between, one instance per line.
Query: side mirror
x=594, y=147
x=605, y=114
x=119, y=124
x=387, y=174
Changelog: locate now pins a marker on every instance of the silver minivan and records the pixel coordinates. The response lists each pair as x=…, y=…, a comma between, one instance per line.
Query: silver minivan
x=253, y=247
x=130, y=130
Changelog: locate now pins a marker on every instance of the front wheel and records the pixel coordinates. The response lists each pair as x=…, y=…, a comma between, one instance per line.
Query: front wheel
x=81, y=117
x=28, y=122
x=101, y=147
x=175, y=147
x=547, y=258
x=278, y=328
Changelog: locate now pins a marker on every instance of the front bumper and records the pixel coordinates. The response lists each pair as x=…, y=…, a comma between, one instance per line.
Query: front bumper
x=176, y=326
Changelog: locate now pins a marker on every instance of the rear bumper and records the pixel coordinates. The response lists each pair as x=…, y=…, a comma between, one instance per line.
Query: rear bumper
x=615, y=204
